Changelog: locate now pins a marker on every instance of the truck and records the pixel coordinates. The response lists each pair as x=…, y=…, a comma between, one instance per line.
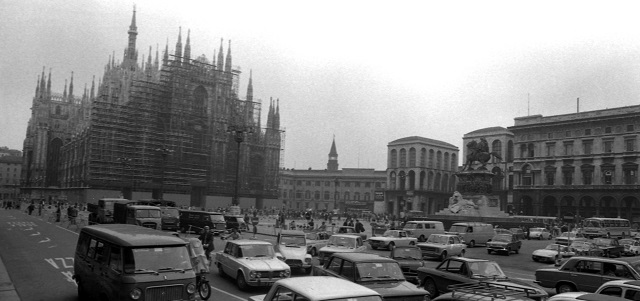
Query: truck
x=141, y=215
x=102, y=212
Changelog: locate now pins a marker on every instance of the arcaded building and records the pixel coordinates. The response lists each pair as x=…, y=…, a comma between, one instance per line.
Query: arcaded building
x=580, y=164
x=420, y=175
x=171, y=127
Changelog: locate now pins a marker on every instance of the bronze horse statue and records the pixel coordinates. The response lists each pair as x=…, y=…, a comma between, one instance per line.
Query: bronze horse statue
x=479, y=152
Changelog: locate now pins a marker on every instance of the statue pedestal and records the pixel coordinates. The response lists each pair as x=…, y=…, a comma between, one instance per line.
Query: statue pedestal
x=474, y=197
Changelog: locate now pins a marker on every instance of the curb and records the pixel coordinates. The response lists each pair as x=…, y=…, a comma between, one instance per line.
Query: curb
x=7, y=290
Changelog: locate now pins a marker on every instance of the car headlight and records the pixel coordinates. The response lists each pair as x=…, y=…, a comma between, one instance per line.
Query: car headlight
x=281, y=257
x=254, y=274
x=285, y=274
x=191, y=288
x=135, y=293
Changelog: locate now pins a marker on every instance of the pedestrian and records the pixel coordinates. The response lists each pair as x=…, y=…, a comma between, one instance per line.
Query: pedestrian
x=233, y=235
x=255, y=220
x=58, y=213
x=359, y=227
x=351, y=223
x=311, y=224
x=31, y=208
x=207, y=241
x=346, y=222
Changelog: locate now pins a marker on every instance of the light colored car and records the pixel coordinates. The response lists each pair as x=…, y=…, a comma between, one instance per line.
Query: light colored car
x=316, y=289
x=539, y=233
x=442, y=246
x=251, y=263
x=316, y=240
x=631, y=246
x=617, y=289
x=550, y=253
x=291, y=247
x=583, y=296
x=566, y=238
x=391, y=239
x=339, y=243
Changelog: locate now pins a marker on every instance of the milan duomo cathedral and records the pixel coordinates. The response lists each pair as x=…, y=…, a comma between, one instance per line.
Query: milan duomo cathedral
x=170, y=127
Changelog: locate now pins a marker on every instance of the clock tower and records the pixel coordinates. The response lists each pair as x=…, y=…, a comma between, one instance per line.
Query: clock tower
x=332, y=164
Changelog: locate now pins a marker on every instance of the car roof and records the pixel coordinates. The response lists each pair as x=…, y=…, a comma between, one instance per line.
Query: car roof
x=468, y=259
x=623, y=282
x=345, y=235
x=604, y=259
x=598, y=297
x=145, y=207
x=199, y=211
x=248, y=242
x=127, y=235
x=315, y=287
x=292, y=232
x=362, y=257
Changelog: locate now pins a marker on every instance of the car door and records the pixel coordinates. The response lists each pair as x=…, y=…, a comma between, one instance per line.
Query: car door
x=587, y=275
x=333, y=267
x=348, y=271
x=457, y=246
x=225, y=258
x=448, y=273
x=403, y=240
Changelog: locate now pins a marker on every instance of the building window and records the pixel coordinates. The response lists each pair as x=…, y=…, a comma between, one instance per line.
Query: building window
x=587, y=147
x=298, y=194
x=587, y=177
x=367, y=196
x=567, y=176
x=378, y=184
x=367, y=184
x=393, y=158
x=308, y=183
x=307, y=194
x=527, y=176
x=551, y=149
x=316, y=195
x=347, y=184
x=607, y=130
x=567, y=134
x=568, y=149
x=551, y=178
x=531, y=150
x=630, y=176
x=327, y=183
x=318, y=183
x=357, y=184
x=630, y=128
x=346, y=196
x=608, y=146
x=326, y=195
x=412, y=157
x=608, y=177
x=630, y=144
x=298, y=182
x=403, y=157
x=356, y=196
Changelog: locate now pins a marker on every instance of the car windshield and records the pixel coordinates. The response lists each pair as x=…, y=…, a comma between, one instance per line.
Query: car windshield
x=346, y=230
x=627, y=241
x=486, y=269
x=603, y=241
x=154, y=260
x=295, y=241
x=375, y=271
x=410, y=226
x=635, y=265
x=536, y=230
x=363, y=298
x=554, y=247
x=342, y=241
x=515, y=230
x=217, y=218
x=592, y=223
x=458, y=228
x=257, y=251
x=407, y=253
x=570, y=234
x=390, y=234
x=502, y=238
x=171, y=212
x=581, y=244
x=145, y=213
x=438, y=239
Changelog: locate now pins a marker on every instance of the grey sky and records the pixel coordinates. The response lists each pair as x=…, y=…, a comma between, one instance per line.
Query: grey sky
x=368, y=72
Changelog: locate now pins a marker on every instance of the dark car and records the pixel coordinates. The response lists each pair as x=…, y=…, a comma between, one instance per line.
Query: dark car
x=410, y=259
x=587, y=274
x=378, y=273
x=487, y=291
x=458, y=270
x=504, y=243
x=236, y=222
x=519, y=233
x=610, y=246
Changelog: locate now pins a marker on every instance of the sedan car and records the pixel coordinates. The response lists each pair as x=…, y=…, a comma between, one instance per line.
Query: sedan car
x=585, y=248
x=582, y=296
x=410, y=259
x=315, y=289
x=291, y=247
x=442, y=246
x=517, y=232
x=251, y=263
x=315, y=241
x=566, y=238
x=631, y=246
x=610, y=246
x=504, y=243
x=539, y=233
x=391, y=239
x=550, y=253
x=339, y=243
x=616, y=290
x=457, y=270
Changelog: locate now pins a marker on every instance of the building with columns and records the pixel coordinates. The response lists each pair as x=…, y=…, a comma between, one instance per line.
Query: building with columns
x=420, y=175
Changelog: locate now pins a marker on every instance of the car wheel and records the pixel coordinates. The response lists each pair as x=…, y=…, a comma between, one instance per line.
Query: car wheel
x=488, y=251
x=241, y=282
x=443, y=256
x=472, y=244
x=430, y=286
x=540, y=237
x=392, y=246
x=421, y=238
x=565, y=288
x=314, y=252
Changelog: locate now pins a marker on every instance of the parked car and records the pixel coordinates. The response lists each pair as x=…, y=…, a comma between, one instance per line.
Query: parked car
x=631, y=246
x=502, y=231
x=423, y=229
x=378, y=273
x=236, y=222
x=610, y=246
x=315, y=289
x=316, y=240
x=339, y=243
x=566, y=238
x=616, y=290
x=582, y=296
x=251, y=263
x=170, y=218
x=352, y=231
x=410, y=259
x=442, y=246
x=488, y=291
x=518, y=233
x=473, y=233
x=539, y=233
x=585, y=248
x=550, y=253
x=504, y=243
x=391, y=239
x=586, y=274
x=291, y=247
x=195, y=221
x=457, y=270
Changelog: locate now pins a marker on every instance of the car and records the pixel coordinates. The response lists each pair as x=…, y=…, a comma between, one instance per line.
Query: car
x=410, y=259
x=550, y=253
x=315, y=289
x=616, y=290
x=291, y=247
x=582, y=296
x=487, y=291
x=504, y=243
x=391, y=239
x=316, y=240
x=442, y=246
x=539, y=233
x=585, y=248
x=339, y=243
x=458, y=270
x=502, y=231
x=519, y=233
x=580, y=273
x=610, y=246
x=631, y=246
x=566, y=238
x=236, y=222
x=378, y=273
x=351, y=230
x=251, y=263
x=423, y=229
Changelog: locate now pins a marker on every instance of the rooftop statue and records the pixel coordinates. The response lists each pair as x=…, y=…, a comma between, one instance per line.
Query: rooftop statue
x=479, y=152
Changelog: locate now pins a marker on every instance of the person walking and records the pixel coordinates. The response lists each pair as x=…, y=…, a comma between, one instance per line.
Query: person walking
x=206, y=237
x=359, y=227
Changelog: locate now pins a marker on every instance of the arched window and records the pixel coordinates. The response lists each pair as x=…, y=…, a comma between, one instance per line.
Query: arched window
x=454, y=162
x=326, y=195
x=423, y=157
x=403, y=157
x=412, y=157
x=432, y=154
x=446, y=161
x=496, y=147
x=437, y=182
x=199, y=100
x=393, y=159
x=527, y=176
x=510, y=151
x=317, y=195
x=439, y=160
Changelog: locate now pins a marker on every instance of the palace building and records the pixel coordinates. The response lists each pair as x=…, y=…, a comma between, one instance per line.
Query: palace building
x=171, y=127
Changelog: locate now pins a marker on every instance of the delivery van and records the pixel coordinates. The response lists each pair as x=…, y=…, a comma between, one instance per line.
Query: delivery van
x=194, y=221
x=129, y=262
x=422, y=229
x=473, y=233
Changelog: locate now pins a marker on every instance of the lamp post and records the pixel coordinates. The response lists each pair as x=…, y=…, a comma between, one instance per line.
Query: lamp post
x=164, y=152
x=125, y=162
x=238, y=132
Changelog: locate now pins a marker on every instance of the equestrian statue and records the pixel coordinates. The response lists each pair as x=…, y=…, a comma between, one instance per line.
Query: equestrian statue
x=479, y=152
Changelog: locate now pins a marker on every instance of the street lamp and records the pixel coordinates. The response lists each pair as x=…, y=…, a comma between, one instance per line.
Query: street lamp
x=125, y=162
x=164, y=152
x=238, y=132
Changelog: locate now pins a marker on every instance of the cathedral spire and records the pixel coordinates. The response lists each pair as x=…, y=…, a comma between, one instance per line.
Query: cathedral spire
x=220, y=57
x=131, y=54
x=93, y=86
x=332, y=164
x=48, y=84
x=149, y=65
x=187, y=47
x=156, y=64
x=42, y=84
x=178, y=57
x=250, y=87
x=165, y=56
x=37, y=86
x=64, y=95
x=276, y=123
x=71, y=87
x=227, y=64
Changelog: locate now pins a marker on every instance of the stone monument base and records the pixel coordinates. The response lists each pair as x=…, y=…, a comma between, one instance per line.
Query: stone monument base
x=478, y=205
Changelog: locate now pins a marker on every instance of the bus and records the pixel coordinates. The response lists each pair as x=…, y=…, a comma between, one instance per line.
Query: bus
x=542, y=221
x=606, y=227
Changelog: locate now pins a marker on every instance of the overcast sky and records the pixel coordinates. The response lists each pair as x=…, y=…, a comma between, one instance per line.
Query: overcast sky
x=368, y=72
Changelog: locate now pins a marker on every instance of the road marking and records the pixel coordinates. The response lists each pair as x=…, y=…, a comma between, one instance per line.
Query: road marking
x=228, y=293
x=76, y=233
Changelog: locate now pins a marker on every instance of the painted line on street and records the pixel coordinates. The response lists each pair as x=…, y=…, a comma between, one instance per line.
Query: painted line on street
x=228, y=293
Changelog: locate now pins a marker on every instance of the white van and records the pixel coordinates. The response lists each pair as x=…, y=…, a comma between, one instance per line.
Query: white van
x=473, y=232
x=423, y=229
